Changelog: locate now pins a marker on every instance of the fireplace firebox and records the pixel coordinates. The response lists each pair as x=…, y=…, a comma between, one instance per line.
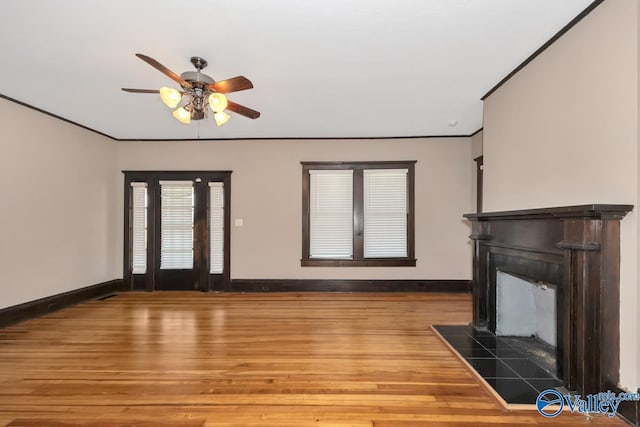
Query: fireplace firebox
x=573, y=251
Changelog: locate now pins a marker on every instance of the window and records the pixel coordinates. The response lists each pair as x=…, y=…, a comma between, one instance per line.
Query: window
x=385, y=213
x=216, y=226
x=139, y=227
x=358, y=214
x=331, y=214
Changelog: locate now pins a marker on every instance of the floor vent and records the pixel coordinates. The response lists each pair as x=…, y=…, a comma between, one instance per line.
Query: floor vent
x=107, y=297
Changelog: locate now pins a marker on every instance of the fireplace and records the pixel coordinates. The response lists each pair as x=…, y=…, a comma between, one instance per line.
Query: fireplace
x=526, y=308
x=527, y=314
x=552, y=275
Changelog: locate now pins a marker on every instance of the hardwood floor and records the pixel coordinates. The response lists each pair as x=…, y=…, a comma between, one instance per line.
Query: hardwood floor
x=185, y=359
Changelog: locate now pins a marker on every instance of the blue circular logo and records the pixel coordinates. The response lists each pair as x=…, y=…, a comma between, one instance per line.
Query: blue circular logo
x=549, y=398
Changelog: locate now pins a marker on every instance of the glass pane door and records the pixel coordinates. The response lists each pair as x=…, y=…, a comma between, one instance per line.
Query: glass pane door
x=176, y=225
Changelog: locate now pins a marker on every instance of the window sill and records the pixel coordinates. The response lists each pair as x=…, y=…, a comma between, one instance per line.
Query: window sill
x=373, y=262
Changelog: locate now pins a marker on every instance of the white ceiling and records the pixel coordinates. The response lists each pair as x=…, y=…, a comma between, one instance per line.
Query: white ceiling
x=321, y=68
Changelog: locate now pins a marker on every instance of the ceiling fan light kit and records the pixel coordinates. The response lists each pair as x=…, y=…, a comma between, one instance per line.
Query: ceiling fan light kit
x=170, y=97
x=199, y=93
x=182, y=115
x=218, y=102
x=221, y=118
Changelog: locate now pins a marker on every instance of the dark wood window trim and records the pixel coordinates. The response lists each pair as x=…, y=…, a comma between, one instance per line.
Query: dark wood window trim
x=358, y=212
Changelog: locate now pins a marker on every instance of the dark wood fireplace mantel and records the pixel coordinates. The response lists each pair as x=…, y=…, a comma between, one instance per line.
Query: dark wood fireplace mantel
x=578, y=249
x=580, y=211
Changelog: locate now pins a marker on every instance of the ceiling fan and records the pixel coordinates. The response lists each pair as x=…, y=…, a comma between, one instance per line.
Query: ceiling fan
x=199, y=92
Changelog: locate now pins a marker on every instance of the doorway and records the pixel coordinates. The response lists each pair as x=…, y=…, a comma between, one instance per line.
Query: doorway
x=177, y=230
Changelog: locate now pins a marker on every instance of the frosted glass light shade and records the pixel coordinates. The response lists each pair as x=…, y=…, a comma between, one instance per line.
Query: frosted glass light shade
x=218, y=102
x=182, y=115
x=221, y=118
x=170, y=97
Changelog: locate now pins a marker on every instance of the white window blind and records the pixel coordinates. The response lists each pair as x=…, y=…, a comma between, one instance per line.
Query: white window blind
x=385, y=213
x=176, y=225
x=139, y=227
x=216, y=226
x=331, y=214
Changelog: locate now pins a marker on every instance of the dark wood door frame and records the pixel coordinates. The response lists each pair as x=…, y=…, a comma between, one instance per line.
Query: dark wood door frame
x=479, y=178
x=204, y=281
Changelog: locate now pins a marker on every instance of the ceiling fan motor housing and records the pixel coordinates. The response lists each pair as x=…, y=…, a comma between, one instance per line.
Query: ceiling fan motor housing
x=197, y=77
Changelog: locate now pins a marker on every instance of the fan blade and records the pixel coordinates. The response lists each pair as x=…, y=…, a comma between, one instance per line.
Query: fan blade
x=140, y=90
x=242, y=110
x=158, y=66
x=234, y=84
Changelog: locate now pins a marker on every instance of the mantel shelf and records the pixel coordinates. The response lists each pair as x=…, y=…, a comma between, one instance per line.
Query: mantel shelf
x=580, y=211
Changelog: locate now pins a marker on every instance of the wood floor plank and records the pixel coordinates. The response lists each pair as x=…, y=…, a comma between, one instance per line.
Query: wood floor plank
x=27, y=422
x=186, y=359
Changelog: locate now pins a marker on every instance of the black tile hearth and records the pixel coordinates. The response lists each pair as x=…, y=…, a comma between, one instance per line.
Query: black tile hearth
x=508, y=370
x=492, y=342
x=527, y=369
x=507, y=353
x=464, y=341
x=476, y=352
x=545, y=384
x=539, y=352
x=462, y=330
x=492, y=368
x=514, y=390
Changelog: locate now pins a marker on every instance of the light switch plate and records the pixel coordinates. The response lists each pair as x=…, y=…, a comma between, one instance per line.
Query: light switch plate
x=239, y=222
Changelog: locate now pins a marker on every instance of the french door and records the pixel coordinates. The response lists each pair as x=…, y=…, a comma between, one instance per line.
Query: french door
x=177, y=230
